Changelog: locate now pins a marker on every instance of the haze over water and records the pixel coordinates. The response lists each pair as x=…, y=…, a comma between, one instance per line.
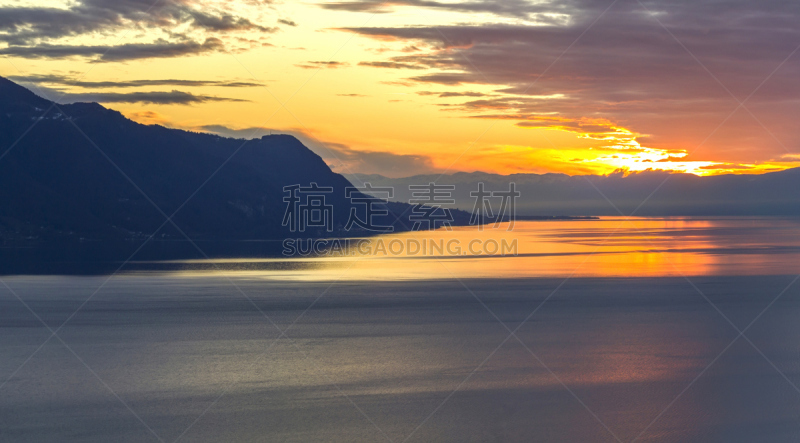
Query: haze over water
x=397, y=349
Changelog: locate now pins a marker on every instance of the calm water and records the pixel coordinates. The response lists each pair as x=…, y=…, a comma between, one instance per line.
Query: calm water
x=611, y=247
x=395, y=350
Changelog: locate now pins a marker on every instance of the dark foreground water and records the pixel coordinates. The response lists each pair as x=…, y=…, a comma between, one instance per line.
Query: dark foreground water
x=651, y=330
x=163, y=357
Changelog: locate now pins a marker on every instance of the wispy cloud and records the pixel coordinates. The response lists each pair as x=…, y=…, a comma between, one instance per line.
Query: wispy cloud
x=508, y=8
x=112, y=53
x=178, y=28
x=153, y=97
x=391, y=65
x=453, y=94
x=55, y=79
x=322, y=64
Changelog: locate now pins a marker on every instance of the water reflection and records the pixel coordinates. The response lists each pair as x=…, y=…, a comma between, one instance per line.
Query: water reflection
x=611, y=247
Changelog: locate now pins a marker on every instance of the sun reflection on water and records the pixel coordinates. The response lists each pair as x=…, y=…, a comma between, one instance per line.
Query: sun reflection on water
x=611, y=247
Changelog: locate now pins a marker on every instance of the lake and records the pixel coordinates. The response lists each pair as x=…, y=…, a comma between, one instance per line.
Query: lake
x=611, y=247
x=596, y=330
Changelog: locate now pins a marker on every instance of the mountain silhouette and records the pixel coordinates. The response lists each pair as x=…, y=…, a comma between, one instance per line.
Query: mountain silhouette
x=81, y=171
x=649, y=193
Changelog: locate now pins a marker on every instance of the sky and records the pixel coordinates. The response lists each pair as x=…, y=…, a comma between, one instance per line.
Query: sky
x=406, y=87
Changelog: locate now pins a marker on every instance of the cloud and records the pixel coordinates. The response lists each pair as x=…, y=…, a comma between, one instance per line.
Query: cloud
x=287, y=22
x=341, y=158
x=625, y=68
x=446, y=79
x=224, y=22
x=596, y=128
x=363, y=6
x=728, y=167
x=67, y=81
x=453, y=94
x=507, y=8
x=322, y=64
x=345, y=160
x=156, y=97
x=181, y=27
x=28, y=25
x=110, y=53
x=397, y=83
x=391, y=65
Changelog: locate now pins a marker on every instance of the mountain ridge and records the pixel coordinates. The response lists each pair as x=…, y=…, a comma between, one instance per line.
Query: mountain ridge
x=82, y=171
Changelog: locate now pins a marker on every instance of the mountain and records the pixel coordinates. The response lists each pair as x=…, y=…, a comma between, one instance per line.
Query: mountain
x=670, y=194
x=81, y=171
x=84, y=172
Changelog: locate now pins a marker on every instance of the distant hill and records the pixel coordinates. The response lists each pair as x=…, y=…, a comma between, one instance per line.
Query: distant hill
x=55, y=184
x=775, y=193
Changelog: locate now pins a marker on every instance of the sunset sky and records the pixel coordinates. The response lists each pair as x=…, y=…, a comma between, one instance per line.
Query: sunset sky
x=406, y=87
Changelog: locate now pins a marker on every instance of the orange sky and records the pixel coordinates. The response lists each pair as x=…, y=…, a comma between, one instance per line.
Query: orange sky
x=412, y=87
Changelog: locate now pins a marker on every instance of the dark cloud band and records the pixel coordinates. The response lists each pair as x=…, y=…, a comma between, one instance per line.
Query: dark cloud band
x=130, y=51
x=154, y=97
x=67, y=81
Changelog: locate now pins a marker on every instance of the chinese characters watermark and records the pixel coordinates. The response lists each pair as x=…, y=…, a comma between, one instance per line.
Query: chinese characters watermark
x=369, y=210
